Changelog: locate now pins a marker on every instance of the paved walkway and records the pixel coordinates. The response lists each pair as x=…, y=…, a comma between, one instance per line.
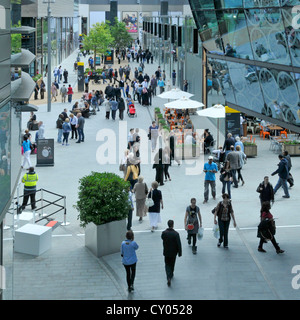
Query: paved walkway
x=70, y=271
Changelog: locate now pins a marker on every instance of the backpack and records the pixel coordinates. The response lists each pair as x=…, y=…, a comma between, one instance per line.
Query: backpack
x=266, y=229
x=144, y=90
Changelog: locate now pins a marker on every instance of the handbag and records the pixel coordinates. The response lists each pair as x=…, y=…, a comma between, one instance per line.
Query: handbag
x=122, y=167
x=149, y=136
x=216, y=231
x=149, y=202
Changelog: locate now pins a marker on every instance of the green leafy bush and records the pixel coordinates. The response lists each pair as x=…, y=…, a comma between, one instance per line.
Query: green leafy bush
x=291, y=142
x=249, y=143
x=102, y=198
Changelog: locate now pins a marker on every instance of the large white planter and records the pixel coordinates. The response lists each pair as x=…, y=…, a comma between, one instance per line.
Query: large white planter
x=106, y=238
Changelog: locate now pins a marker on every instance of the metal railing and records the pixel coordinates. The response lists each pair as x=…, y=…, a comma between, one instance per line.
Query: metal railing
x=17, y=207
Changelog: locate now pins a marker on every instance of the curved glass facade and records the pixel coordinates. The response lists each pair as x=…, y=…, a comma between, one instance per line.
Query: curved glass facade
x=253, y=52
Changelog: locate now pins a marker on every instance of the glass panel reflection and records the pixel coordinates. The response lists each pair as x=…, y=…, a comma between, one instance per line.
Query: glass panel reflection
x=222, y=76
x=235, y=35
x=4, y=156
x=207, y=23
x=292, y=35
x=261, y=3
x=266, y=33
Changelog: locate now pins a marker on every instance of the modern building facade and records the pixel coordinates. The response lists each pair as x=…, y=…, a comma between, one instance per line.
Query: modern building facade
x=16, y=87
x=174, y=43
x=93, y=11
x=64, y=31
x=251, y=54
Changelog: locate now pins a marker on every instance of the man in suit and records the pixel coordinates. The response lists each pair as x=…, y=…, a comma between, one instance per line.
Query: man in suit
x=172, y=247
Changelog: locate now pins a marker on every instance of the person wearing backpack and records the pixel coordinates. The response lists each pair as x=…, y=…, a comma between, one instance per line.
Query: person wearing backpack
x=132, y=173
x=224, y=212
x=266, y=228
x=191, y=223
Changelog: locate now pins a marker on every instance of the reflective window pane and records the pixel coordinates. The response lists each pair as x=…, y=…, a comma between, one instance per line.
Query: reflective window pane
x=267, y=37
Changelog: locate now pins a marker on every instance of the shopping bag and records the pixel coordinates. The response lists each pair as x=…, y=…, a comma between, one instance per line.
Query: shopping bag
x=200, y=233
x=216, y=231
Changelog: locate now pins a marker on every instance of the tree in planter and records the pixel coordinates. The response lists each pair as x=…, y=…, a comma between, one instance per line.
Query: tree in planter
x=99, y=39
x=122, y=39
x=102, y=198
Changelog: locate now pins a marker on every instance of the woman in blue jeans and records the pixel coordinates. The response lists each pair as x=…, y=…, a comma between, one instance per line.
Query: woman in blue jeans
x=129, y=258
x=226, y=178
x=224, y=212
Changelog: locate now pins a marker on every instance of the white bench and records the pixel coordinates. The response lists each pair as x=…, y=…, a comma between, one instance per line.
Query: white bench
x=33, y=239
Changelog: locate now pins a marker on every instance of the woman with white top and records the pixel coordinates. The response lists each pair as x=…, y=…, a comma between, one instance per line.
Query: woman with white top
x=73, y=123
x=27, y=151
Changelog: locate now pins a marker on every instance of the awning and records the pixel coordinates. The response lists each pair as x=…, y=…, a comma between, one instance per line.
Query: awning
x=22, y=59
x=22, y=30
x=26, y=107
x=22, y=88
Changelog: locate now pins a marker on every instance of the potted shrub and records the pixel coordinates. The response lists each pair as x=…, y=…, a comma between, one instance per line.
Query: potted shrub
x=292, y=147
x=250, y=149
x=103, y=207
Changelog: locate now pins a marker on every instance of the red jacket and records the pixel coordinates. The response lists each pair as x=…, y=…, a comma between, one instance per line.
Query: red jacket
x=70, y=90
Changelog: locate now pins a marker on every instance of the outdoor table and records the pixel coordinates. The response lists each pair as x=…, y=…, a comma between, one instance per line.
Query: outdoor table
x=274, y=128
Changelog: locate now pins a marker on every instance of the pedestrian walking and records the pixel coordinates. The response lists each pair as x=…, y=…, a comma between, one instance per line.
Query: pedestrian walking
x=130, y=139
x=242, y=161
x=141, y=191
x=171, y=248
x=161, y=85
x=129, y=218
x=158, y=165
x=129, y=258
x=283, y=174
x=210, y=169
x=229, y=141
x=114, y=108
x=121, y=107
x=80, y=127
x=86, y=83
x=66, y=74
x=192, y=224
x=66, y=131
x=132, y=173
x=167, y=163
x=234, y=160
x=73, y=123
x=224, y=212
x=63, y=93
x=70, y=93
x=290, y=179
x=107, y=107
x=42, y=89
x=30, y=180
x=36, y=91
x=153, y=135
x=266, y=229
x=173, y=78
x=59, y=123
x=226, y=178
x=53, y=92
x=26, y=151
x=154, y=211
x=266, y=191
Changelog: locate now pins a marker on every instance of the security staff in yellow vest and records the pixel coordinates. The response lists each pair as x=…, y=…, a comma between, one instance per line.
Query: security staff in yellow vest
x=30, y=180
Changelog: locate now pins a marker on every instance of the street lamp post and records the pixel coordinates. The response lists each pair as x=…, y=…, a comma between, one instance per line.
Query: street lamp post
x=49, y=54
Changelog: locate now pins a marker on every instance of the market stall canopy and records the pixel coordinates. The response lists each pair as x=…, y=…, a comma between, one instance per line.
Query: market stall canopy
x=175, y=94
x=216, y=111
x=184, y=103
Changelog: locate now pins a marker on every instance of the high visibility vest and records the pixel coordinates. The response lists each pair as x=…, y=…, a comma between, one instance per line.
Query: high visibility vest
x=30, y=180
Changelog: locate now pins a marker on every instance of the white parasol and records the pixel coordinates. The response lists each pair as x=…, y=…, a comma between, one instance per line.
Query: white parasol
x=184, y=103
x=175, y=94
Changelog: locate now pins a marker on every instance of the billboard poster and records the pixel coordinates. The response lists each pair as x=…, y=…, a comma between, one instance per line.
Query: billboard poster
x=130, y=19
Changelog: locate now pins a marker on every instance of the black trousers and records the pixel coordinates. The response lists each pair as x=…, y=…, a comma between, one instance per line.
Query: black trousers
x=275, y=244
x=129, y=220
x=107, y=114
x=166, y=171
x=169, y=266
x=159, y=177
x=224, y=227
x=130, y=273
x=194, y=236
x=121, y=114
x=27, y=194
x=74, y=131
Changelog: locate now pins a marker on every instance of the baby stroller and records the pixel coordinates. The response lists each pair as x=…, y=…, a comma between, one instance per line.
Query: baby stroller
x=131, y=109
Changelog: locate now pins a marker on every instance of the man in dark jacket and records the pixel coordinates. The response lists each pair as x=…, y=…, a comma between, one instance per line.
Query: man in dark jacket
x=266, y=191
x=121, y=107
x=228, y=143
x=283, y=174
x=172, y=247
